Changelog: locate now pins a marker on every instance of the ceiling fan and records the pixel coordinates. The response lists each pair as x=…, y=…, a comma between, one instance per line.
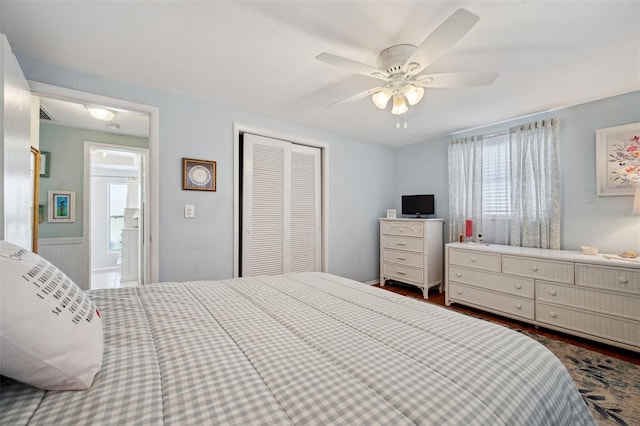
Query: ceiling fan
x=400, y=67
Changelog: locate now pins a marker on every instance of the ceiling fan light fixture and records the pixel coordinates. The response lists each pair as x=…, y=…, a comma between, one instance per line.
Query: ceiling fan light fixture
x=101, y=114
x=381, y=99
x=399, y=105
x=413, y=93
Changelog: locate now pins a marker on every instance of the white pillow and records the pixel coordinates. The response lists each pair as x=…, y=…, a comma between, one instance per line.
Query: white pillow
x=50, y=331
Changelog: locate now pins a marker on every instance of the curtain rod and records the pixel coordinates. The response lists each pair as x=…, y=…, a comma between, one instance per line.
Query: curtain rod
x=496, y=134
x=544, y=121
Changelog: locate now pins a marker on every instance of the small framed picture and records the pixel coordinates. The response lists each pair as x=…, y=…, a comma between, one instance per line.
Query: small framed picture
x=45, y=163
x=198, y=175
x=391, y=213
x=62, y=206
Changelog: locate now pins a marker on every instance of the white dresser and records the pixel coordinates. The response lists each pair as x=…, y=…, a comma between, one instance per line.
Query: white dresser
x=588, y=296
x=411, y=252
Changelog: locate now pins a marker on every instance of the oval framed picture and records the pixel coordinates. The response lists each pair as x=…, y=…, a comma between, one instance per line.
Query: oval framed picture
x=198, y=175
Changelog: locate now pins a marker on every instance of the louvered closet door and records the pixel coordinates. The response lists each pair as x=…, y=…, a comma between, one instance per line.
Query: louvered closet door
x=305, y=209
x=281, y=207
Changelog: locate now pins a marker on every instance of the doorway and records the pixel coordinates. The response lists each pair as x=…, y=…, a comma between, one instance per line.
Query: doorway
x=79, y=261
x=116, y=190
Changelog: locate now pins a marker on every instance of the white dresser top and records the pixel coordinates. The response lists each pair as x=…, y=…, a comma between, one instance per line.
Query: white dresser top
x=413, y=219
x=561, y=255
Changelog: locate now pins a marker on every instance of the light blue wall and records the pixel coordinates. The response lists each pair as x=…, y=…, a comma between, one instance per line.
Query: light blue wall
x=603, y=222
x=364, y=179
x=66, y=172
x=360, y=181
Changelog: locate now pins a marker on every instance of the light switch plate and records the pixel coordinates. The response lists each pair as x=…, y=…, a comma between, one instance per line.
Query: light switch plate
x=189, y=211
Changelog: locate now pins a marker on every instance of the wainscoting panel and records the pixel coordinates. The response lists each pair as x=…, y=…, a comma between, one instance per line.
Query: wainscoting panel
x=67, y=254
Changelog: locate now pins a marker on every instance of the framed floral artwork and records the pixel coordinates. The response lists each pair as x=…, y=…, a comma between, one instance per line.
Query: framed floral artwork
x=618, y=160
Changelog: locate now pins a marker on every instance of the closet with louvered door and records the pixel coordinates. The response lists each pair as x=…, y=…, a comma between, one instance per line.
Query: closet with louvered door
x=281, y=207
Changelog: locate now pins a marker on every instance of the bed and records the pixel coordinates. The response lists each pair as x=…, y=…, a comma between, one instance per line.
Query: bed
x=301, y=348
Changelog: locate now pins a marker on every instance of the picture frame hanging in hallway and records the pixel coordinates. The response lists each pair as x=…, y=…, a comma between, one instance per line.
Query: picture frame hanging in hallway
x=62, y=206
x=198, y=175
x=45, y=163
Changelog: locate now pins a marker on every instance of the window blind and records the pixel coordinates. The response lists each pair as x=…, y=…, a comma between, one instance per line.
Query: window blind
x=496, y=177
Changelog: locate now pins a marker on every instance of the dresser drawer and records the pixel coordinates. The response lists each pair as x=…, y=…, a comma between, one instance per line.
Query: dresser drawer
x=533, y=267
x=582, y=298
x=403, y=273
x=611, y=278
x=474, y=259
x=403, y=258
x=522, y=287
x=500, y=302
x=618, y=329
x=411, y=229
x=403, y=243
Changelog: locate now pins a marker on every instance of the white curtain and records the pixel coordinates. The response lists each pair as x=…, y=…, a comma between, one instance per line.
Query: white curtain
x=465, y=185
x=535, y=185
x=508, y=184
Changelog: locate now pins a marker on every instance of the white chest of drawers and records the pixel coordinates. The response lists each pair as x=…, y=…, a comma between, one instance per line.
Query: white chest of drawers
x=587, y=296
x=411, y=252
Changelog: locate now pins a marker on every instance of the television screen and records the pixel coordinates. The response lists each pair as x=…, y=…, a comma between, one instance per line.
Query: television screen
x=418, y=205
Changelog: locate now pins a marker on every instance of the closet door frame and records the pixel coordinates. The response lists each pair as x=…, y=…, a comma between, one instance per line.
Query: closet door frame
x=238, y=130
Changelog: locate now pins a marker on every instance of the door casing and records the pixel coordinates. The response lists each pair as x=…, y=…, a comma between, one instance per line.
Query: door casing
x=151, y=218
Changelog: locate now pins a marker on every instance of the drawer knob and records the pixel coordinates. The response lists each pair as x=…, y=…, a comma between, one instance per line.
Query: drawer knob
x=401, y=244
x=553, y=314
x=552, y=292
x=518, y=306
x=459, y=274
x=473, y=260
x=459, y=291
x=401, y=258
x=401, y=273
x=534, y=268
x=623, y=279
x=518, y=286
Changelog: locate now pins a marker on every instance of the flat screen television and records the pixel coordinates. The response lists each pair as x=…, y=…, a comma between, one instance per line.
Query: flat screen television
x=418, y=205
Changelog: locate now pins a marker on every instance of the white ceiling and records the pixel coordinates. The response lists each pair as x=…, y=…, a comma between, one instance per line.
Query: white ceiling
x=260, y=56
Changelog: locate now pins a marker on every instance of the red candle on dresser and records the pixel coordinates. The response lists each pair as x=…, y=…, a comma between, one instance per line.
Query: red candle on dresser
x=469, y=228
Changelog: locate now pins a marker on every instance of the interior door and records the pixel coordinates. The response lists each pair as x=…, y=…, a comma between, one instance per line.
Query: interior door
x=265, y=212
x=16, y=182
x=306, y=224
x=281, y=207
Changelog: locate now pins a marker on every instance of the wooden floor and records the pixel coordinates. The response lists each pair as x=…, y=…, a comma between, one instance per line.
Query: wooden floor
x=438, y=299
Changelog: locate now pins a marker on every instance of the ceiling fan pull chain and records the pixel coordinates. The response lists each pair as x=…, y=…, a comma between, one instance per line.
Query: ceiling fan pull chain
x=397, y=121
x=405, y=120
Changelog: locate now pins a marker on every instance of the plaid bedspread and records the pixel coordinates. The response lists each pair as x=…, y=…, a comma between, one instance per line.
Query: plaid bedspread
x=307, y=348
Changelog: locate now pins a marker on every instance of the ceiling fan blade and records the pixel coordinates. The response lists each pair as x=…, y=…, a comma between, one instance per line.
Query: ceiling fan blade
x=353, y=66
x=442, y=39
x=357, y=97
x=456, y=79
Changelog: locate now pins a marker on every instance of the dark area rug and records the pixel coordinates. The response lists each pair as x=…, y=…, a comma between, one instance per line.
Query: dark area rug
x=609, y=386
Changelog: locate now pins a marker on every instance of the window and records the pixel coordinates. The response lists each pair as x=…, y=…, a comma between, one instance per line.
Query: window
x=117, y=200
x=496, y=182
x=508, y=184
